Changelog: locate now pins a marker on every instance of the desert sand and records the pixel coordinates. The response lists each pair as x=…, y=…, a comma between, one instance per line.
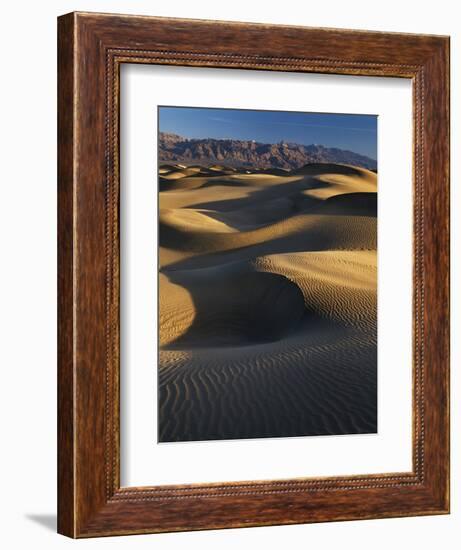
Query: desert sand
x=267, y=292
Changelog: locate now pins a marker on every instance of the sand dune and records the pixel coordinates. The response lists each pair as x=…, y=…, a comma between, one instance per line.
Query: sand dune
x=242, y=306
x=267, y=303
x=338, y=169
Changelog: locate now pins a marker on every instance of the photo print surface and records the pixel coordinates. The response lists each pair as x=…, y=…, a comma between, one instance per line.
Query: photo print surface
x=267, y=274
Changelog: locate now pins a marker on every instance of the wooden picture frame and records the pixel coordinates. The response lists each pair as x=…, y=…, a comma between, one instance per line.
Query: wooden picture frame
x=92, y=47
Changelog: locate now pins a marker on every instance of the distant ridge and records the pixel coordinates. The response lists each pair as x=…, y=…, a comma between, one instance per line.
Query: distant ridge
x=233, y=152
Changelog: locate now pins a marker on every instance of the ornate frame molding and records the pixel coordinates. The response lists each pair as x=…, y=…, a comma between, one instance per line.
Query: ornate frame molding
x=91, y=501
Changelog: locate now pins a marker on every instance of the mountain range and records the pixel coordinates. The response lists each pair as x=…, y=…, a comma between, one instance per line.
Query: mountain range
x=244, y=153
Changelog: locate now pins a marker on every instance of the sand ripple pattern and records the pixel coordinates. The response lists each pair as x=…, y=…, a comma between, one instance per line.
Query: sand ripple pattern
x=267, y=303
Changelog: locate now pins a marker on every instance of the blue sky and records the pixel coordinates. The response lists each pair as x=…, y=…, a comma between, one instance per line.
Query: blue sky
x=356, y=133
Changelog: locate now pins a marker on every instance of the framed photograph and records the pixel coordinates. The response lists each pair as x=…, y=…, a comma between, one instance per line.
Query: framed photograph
x=253, y=275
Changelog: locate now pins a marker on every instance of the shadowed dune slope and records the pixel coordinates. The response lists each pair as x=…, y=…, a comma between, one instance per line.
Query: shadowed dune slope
x=242, y=306
x=267, y=302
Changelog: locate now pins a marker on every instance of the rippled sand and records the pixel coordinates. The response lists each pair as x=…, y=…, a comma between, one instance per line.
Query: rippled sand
x=267, y=302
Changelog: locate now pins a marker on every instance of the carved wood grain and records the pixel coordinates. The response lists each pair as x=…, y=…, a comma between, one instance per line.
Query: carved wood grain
x=91, y=49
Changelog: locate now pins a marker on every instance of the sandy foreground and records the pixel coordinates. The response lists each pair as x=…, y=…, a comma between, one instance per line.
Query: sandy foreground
x=267, y=292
